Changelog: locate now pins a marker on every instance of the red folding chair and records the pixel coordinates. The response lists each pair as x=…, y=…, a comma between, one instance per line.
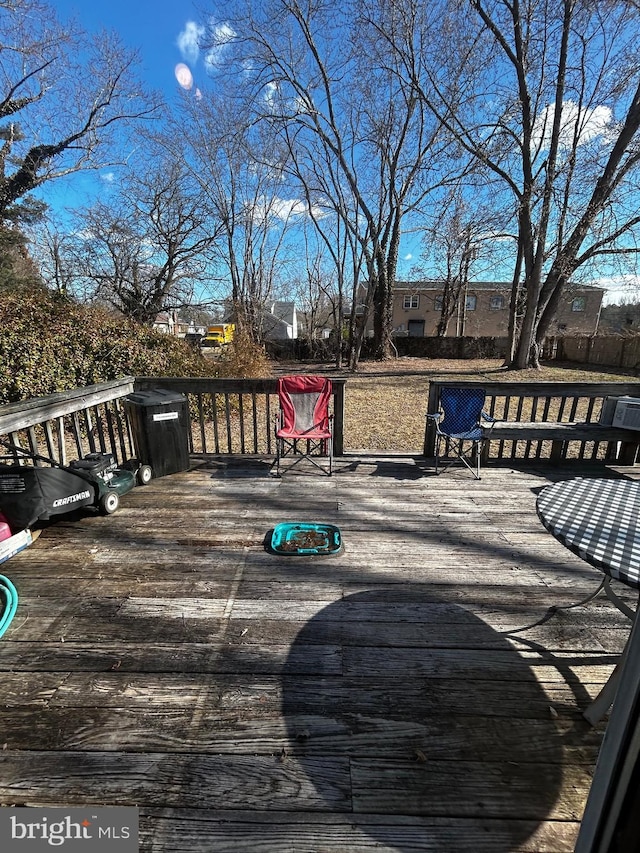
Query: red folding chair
x=304, y=426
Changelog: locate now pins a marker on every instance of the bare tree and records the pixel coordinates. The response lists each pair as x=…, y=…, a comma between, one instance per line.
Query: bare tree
x=333, y=215
x=63, y=97
x=53, y=249
x=146, y=250
x=317, y=295
x=357, y=135
x=244, y=191
x=545, y=96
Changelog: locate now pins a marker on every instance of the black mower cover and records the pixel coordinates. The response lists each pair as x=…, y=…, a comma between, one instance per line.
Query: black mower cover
x=29, y=494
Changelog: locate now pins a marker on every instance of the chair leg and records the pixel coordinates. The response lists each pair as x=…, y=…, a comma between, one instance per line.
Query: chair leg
x=289, y=448
x=460, y=455
x=471, y=459
x=604, y=700
x=475, y=470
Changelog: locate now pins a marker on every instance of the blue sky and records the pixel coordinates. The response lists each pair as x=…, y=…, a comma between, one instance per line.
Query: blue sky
x=165, y=34
x=153, y=27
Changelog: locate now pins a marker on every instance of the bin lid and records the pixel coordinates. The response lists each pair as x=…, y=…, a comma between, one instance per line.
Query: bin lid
x=155, y=397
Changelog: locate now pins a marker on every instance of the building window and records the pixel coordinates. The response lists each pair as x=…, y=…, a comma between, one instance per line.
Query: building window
x=496, y=303
x=411, y=301
x=579, y=303
x=471, y=303
x=437, y=303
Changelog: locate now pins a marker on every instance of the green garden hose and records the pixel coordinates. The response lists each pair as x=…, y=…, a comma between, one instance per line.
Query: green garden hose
x=9, y=594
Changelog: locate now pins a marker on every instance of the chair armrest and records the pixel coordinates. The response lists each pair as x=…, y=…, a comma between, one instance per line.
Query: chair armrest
x=490, y=420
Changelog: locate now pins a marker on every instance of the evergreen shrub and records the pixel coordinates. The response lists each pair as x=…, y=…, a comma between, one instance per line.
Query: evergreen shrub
x=49, y=343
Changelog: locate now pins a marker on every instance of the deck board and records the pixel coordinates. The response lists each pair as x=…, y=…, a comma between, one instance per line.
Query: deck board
x=373, y=700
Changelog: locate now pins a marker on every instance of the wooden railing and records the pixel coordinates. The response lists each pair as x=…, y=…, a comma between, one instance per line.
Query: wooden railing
x=236, y=417
x=556, y=405
x=228, y=416
x=71, y=424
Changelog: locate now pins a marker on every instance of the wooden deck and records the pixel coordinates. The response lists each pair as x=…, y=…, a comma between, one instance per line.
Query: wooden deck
x=161, y=657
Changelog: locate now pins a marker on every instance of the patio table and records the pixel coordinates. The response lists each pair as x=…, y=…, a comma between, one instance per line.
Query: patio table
x=598, y=520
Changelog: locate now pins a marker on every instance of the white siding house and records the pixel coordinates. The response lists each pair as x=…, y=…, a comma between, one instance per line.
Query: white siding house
x=280, y=321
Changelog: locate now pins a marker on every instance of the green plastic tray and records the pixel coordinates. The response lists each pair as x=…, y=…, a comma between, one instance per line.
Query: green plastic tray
x=305, y=537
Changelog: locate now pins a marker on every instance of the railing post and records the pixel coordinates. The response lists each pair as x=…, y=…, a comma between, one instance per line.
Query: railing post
x=433, y=402
x=338, y=418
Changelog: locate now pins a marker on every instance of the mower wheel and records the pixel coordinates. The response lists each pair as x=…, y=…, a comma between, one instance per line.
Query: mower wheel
x=109, y=503
x=144, y=475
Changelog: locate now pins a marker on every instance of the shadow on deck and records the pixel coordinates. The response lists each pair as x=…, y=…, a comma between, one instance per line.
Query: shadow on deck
x=246, y=701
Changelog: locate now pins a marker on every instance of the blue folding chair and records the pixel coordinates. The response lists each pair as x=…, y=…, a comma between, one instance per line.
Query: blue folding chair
x=462, y=419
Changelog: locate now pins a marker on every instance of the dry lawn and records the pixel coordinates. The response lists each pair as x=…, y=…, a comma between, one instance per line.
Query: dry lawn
x=386, y=402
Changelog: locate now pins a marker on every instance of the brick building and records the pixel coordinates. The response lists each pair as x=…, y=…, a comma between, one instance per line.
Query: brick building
x=417, y=307
x=620, y=319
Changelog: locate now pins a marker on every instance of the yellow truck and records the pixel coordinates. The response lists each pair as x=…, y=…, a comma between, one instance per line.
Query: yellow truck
x=219, y=335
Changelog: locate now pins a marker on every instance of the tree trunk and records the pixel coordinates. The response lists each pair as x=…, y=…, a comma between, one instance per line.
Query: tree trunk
x=383, y=309
x=339, y=325
x=526, y=353
x=558, y=284
x=512, y=332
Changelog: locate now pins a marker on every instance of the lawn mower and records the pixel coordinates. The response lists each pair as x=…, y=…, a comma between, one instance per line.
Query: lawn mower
x=30, y=493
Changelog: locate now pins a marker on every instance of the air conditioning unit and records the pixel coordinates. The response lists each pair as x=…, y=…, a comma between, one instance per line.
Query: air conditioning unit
x=627, y=413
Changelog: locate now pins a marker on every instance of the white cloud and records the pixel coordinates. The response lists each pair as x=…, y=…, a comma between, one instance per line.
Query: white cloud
x=84, y=234
x=598, y=123
x=278, y=104
x=592, y=123
x=108, y=177
x=189, y=41
x=279, y=208
x=219, y=38
x=408, y=257
x=283, y=209
x=271, y=95
x=620, y=288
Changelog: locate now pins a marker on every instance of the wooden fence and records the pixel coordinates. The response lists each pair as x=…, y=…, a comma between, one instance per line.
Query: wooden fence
x=72, y=423
x=606, y=350
x=236, y=416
